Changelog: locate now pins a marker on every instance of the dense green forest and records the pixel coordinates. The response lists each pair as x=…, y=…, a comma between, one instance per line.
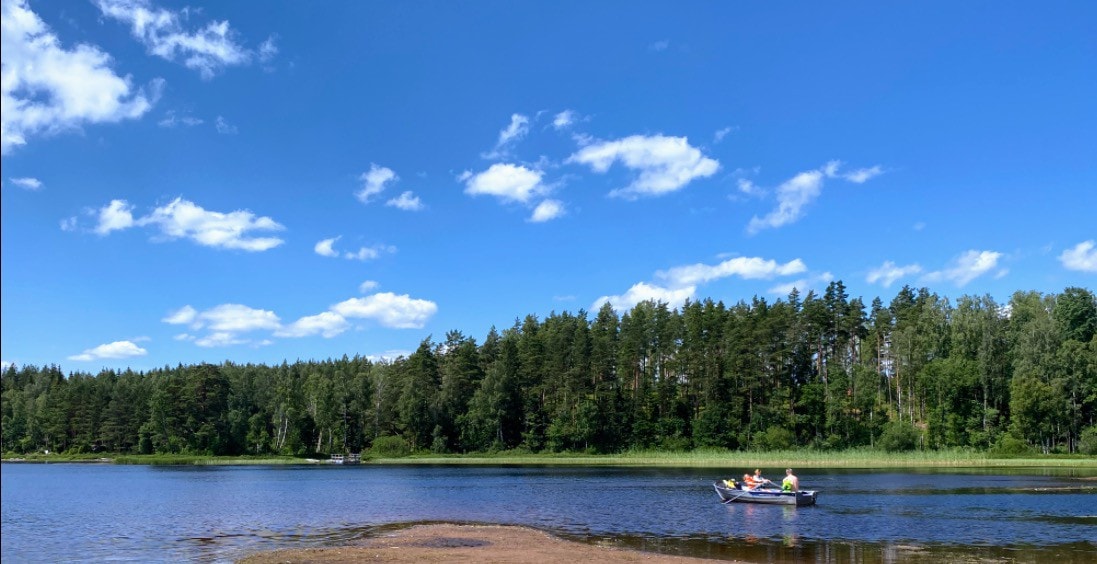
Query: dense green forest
x=821, y=371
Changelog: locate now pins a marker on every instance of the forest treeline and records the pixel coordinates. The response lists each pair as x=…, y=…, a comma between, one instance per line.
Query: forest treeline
x=821, y=371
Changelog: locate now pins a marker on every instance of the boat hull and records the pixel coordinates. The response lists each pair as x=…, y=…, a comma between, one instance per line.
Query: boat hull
x=765, y=496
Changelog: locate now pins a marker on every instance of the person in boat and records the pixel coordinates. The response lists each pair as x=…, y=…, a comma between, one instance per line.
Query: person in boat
x=748, y=482
x=791, y=483
x=760, y=480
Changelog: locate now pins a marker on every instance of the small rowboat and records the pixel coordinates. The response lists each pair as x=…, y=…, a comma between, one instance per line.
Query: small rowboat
x=771, y=496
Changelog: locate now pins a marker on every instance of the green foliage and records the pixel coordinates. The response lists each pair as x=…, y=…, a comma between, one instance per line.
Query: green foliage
x=898, y=436
x=775, y=438
x=1088, y=442
x=390, y=447
x=815, y=370
x=1009, y=445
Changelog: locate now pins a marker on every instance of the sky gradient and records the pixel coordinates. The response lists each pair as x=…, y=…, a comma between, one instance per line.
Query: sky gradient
x=186, y=183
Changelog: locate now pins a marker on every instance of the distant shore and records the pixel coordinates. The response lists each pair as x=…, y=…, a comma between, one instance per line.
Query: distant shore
x=466, y=543
x=851, y=459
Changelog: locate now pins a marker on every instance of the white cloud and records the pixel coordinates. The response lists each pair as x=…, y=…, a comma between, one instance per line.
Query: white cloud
x=406, y=201
x=373, y=182
x=6, y=364
x=328, y=324
x=802, y=284
x=46, y=88
x=643, y=291
x=967, y=267
x=660, y=45
x=721, y=133
x=508, y=136
x=799, y=191
x=547, y=210
x=236, y=318
x=1082, y=257
x=368, y=285
x=750, y=268
x=369, y=253
x=225, y=128
x=31, y=184
x=506, y=181
x=388, y=309
x=184, y=219
x=185, y=315
x=564, y=119
x=749, y=188
x=115, y=216
x=887, y=273
x=221, y=339
x=324, y=248
x=117, y=349
x=206, y=50
x=861, y=175
x=171, y=119
x=665, y=164
x=267, y=50
x=69, y=224
x=792, y=196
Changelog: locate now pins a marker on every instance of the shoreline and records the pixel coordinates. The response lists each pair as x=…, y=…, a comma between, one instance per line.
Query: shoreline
x=452, y=542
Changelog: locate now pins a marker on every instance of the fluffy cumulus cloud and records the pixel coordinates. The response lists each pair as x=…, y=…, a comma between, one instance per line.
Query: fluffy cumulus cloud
x=406, y=201
x=794, y=195
x=546, y=211
x=509, y=182
x=115, y=350
x=1082, y=257
x=326, y=248
x=967, y=267
x=508, y=136
x=26, y=183
x=889, y=272
x=751, y=268
x=665, y=164
x=115, y=216
x=182, y=219
x=225, y=324
x=389, y=310
x=374, y=182
x=163, y=32
x=47, y=88
x=642, y=291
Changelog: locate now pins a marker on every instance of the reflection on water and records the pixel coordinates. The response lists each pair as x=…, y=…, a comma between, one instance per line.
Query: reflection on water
x=133, y=513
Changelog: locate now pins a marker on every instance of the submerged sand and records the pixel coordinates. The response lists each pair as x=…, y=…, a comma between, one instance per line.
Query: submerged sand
x=465, y=543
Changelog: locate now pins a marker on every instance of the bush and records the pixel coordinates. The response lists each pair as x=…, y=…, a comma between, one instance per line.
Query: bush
x=898, y=436
x=1010, y=445
x=390, y=447
x=1087, y=443
x=774, y=438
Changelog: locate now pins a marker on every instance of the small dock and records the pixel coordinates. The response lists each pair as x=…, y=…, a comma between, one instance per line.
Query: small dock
x=352, y=458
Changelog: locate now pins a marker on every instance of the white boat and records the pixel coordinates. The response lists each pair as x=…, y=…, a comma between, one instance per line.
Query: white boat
x=765, y=495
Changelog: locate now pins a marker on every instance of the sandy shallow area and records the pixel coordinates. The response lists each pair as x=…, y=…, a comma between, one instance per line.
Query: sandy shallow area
x=465, y=543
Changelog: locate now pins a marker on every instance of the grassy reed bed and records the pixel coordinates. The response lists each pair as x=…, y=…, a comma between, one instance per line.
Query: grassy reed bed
x=856, y=458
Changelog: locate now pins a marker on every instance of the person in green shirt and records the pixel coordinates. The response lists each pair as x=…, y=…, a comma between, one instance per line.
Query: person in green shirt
x=791, y=483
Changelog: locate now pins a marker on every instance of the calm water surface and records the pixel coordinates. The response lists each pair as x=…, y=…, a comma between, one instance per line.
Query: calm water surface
x=78, y=512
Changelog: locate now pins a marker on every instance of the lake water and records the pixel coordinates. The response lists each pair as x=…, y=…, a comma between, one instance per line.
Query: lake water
x=79, y=512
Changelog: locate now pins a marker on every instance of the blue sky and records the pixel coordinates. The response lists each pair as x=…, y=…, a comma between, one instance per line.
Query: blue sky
x=235, y=181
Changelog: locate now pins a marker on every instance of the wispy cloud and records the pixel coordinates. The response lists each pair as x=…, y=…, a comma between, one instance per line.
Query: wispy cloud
x=327, y=324
x=406, y=201
x=32, y=184
x=794, y=195
x=722, y=133
x=115, y=350
x=888, y=273
x=508, y=136
x=368, y=285
x=206, y=50
x=1082, y=257
x=681, y=282
x=48, y=89
x=967, y=267
x=660, y=45
x=171, y=119
x=564, y=119
x=326, y=248
x=225, y=128
x=374, y=181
